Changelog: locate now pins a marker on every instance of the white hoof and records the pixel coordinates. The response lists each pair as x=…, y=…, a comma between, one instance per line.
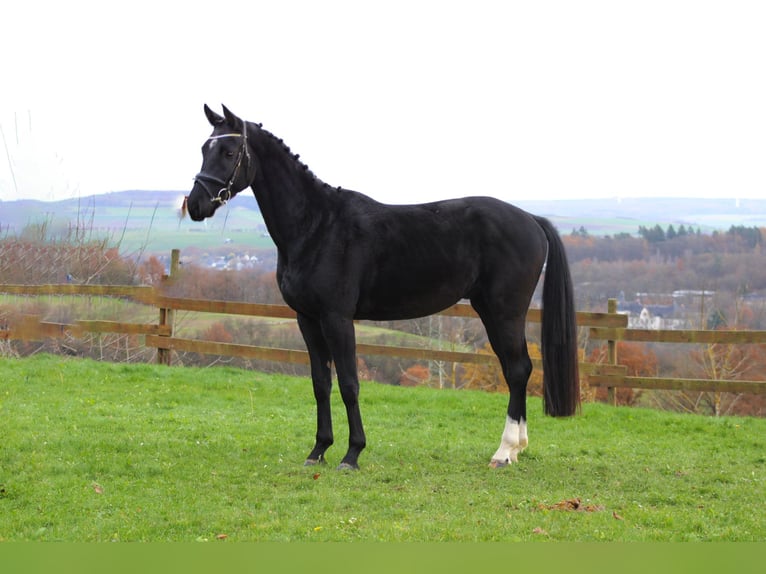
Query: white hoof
x=514, y=441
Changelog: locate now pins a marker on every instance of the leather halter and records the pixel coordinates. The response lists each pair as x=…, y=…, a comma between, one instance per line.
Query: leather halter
x=224, y=194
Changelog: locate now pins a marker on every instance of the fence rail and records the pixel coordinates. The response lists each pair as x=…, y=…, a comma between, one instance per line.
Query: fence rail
x=610, y=327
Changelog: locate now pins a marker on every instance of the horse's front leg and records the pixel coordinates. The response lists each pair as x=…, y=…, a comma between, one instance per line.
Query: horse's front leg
x=321, y=377
x=339, y=334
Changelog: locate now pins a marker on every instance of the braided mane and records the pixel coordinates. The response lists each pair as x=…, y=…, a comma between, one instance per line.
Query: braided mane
x=295, y=156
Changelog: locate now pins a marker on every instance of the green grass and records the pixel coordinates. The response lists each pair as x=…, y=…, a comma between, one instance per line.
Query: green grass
x=99, y=452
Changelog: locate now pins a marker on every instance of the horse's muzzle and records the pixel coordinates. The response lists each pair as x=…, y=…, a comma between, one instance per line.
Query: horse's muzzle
x=198, y=204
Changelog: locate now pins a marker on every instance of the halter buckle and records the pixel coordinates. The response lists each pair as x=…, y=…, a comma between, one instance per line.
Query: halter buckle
x=220, y=198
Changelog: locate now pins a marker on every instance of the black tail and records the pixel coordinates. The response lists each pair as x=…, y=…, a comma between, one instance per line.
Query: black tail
x=561, y=379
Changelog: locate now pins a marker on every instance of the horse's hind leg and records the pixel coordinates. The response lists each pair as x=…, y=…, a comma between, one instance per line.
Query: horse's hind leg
x=508, y=340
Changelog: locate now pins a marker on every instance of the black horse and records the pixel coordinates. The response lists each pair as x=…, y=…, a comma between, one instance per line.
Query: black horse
x=343, y=256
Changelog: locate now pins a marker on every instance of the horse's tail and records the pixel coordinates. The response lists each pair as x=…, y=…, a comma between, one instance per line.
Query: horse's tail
x=561, y=380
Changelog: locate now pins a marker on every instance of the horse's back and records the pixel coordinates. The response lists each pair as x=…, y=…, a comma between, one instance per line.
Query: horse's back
x=423, y=258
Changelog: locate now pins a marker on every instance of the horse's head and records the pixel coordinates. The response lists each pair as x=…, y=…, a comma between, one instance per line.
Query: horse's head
x=228, y=166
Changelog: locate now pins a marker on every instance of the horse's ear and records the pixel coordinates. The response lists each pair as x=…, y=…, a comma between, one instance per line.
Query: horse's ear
x=231, y=119
x=212, y=117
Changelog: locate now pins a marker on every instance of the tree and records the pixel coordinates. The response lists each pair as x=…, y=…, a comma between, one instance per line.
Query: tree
x=217, y=332
x=751, y=236
x=415, y=375
x=639, y=359
x=483, y=376
x=151, y=271
x=652, y=235
x=720, y=362
x=670, y=234
x=489, y=377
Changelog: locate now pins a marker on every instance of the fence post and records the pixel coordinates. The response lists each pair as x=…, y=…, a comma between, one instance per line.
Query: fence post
x=612, y=354
x=167, y=315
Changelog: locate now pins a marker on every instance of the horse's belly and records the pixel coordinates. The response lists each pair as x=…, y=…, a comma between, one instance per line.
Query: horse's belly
x=408, y=301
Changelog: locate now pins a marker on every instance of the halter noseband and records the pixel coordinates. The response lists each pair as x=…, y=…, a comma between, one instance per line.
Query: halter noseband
x=224, y=194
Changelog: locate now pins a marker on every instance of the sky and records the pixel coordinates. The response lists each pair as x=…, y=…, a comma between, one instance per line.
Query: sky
x=406, y=101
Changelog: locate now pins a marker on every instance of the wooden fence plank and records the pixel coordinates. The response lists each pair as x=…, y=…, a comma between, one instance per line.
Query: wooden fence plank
x=228, y=349
x=141, y=293
x=601, y=319
x=149, y=295
x=535, y=315
x=299, y=356
x=124, y=328
x=603, y=369
x=460, y=310
x=424, y=354
x=697, y=385
x=32, y=329
x=680, y=336
x=225, y=307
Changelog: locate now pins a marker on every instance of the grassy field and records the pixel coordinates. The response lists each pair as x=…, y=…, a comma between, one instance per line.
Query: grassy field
x=103, y=452
x=161, y=241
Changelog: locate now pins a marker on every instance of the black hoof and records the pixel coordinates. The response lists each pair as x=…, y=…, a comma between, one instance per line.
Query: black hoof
x=314, y=461
x=347, y=466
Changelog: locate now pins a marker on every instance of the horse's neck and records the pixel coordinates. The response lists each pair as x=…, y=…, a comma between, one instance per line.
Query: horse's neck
x=291, y=199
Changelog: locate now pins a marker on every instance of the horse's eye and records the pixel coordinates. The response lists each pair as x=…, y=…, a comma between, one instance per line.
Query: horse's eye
x=229, y=153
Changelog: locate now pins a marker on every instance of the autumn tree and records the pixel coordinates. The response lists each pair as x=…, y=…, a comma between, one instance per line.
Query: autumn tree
x=415, y=375
x=483, y=376
x=638, y=359
x=217, y=332
x=489, y=376
x=151, y=271
x=248, y=285
x=36, y=261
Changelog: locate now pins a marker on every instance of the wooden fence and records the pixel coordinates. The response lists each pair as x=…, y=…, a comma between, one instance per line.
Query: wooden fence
x=610, y=327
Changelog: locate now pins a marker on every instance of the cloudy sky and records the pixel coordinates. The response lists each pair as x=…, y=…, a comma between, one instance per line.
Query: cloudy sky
x=405, y=101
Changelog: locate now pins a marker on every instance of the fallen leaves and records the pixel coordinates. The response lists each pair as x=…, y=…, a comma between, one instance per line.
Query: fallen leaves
x=572, y=504
x=576, y=505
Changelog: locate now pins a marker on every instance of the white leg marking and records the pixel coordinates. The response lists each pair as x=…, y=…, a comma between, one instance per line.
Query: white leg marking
x=514, y=440
x=523, y=438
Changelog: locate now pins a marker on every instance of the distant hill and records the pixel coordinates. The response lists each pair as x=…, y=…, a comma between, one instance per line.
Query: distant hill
x=113, y=210
x=145, y=221
x=149, y=220
x=609, y=216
